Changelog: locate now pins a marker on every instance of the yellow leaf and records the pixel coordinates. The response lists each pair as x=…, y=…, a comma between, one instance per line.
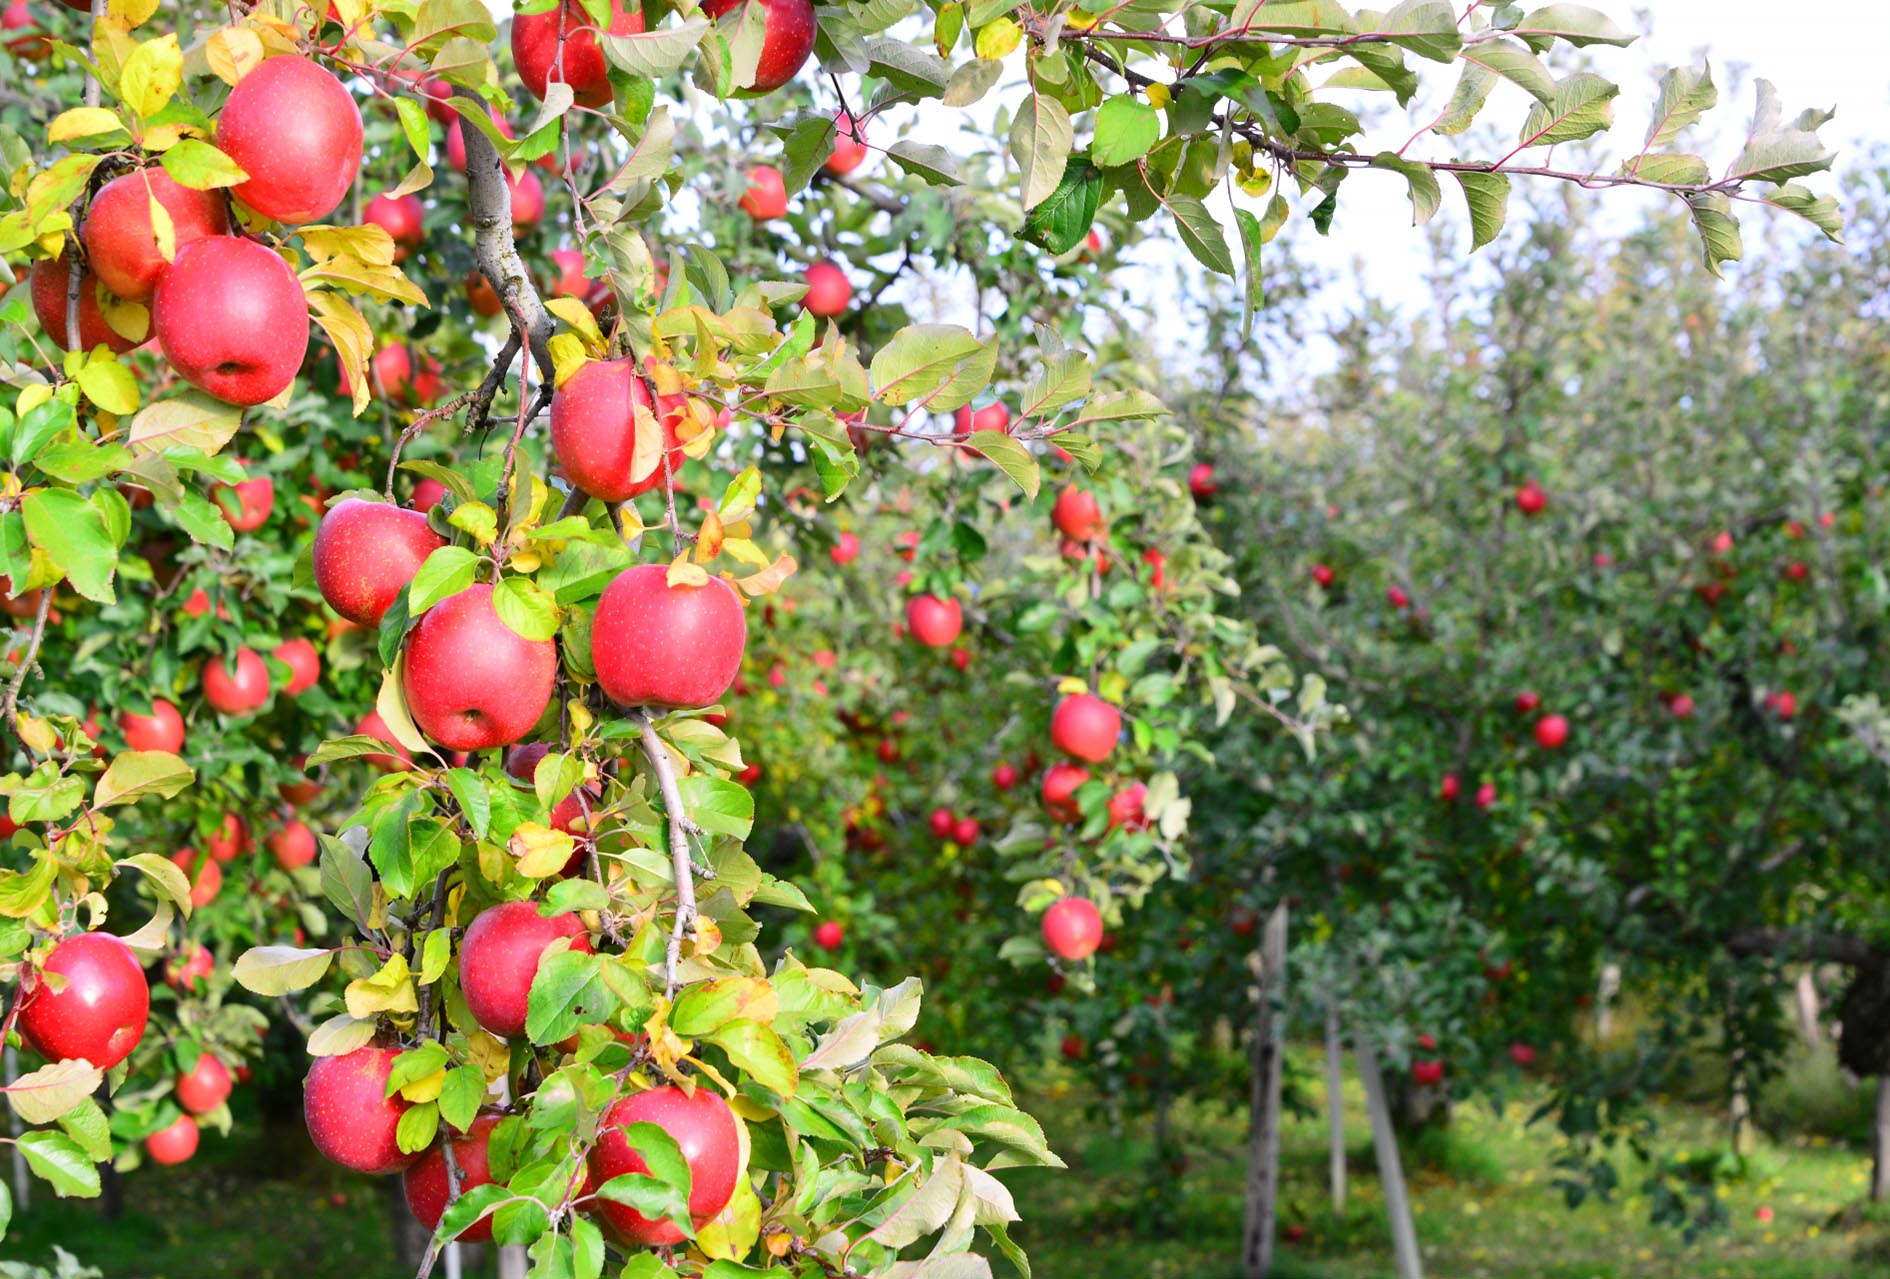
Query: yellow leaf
x=1070, y=685
x=152, y=75
x=745, y=551
x=359, y=259
x=352, y=338
x=133, y=13
x=426, y=1088
x=83, y=122
x=630, y=520
x=666, y=379
x=574, y=313
x=491, y=1055
x=392, y=708
x=233, y=53
x=567, y=357
x=32, y=396
x=998, y=39
x=541, y=851
x=163, y=230
x=581, y=717
x=648, y=453
x=709, y=539
x=1157, y=94
x=388, y=991
x=770, y=579
x=683, y=573
x=133, y=319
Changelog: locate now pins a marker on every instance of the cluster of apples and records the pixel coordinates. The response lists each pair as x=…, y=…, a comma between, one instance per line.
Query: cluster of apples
x=292, y=843
x=829, y=291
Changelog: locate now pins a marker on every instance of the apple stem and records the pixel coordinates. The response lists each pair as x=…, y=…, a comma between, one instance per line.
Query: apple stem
x=682, y=862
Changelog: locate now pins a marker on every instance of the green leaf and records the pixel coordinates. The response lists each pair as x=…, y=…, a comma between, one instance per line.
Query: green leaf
x=39, y=426
x=278, y=970
x=446, y=572
x=1427, y=28
x=468, y=1208
x=1573, y=24
x=1252, y=240
x=1062, y=221
x=72, y=533
x=473, y=799
x=934, y=164
x=526, y=608
x=23, y=892
x=762, y=1053
x=1487, y=194
x=1819, y=210
x=108, y=384
x=1775, y=152
x=134, y=774
x=417, y=1127
x=198, y=165
x=86, y=1124
x=1125, y=130
x=1201, y=234
x=49, y=1092
x=1667, y=166
x=655, y=54
x=461, y=1095
x=1420, y=184
x=567, y=992
x=81, y=461
x=62, y=1161
x=1010, y=457
x=191, y=420
x=1719, y=230
x=706, y=1007
x=1685, y=95
x=1515, y=64
x=346, y=880
x=1041, y=138
x=908, y=69
x=943, y=364
x=166, y=874
x=463, y=19
x=1583, y=106
x=1062, y=378
x=718, y=806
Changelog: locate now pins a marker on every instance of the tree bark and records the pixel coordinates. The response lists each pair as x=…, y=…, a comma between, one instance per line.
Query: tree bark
x=1263, y=1132
x=1404, y=1243
x=1335, y=1110
x=1880, y=1144
x=512, y=1262
x=1805, y=990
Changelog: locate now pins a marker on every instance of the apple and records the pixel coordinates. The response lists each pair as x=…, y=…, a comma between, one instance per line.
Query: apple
x=1785, y=704
x=49, y=281
x=229, y=841
x=161, y=730
x=522, y=763
x=482, y=297
x=1073, y=1048
x=427, y=1186
x=1681, y=706
x=766, y=196
x=120, y=246
x=293, y=844
x=303, y=792
x=1531, y=501
x=471, y=681
x=1293, y=1232
x=941, y=822
x=528, y=200
x=366, y=553
x=1427, y=1073
x=1486, y=794
x=828, y=290
x=29, y=47
x=1522, y=1054
x=1449, y=788
x=232, y=318
x=594, y=430
x=174, y=1143
x=560, y=46
x=1157, y=568
x=1085, y=726
x=1076, y=514
x=1201, y=481
x=992, y=417
x=1551, y=731
x=350, y=1117
x=98, y=1015
x=654, y=644
x=1601, y=559
x=304, y=663
x=571, y=281
x=499, y=958
x=1397, y=597
x=789, y=28
x=703, y=1127
x=829, y=934
x=1322, y=574
x=1060, y=783
x=1722, y=543
x=427, y=494
x=965, y=831
x=1764, y=1214
x=849, y=145
x=888, y=751
x=246, y=504
x=1072, y=928
x=845, y=549
x=934, y=622
x=238, y=685
x=1528, y=703
x=187, y=972
x=204, y=1087
x=403, y=217
x=205, y=876
x=1004, y=776
x=1125, y=807
x=291, y=126
x=1796, y=571
x=372, y=725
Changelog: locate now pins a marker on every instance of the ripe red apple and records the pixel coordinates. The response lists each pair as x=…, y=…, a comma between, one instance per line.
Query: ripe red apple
x=427, y=494
x=456, y=137
x=403, y=217
x=845, y=549
x=1449, y=788
x=1397, y=597
x=1073, y=1048
x=1601, y=559
x=934, y=622
x=766, y=196
x=28, y=47
x=291, y=126
x=571, y=281
x=1427, y=1073
x=1532, y=501
x=471, y=681
x=1796, y=571
x=1077, y=515
x=1681, y=706
x=372, y=725
x=174, y=1143
x=304, y=663
x=1551, y=732
x=293, y=845
x=500, y=956
x=427, y=1186
x=654, y=644
x=1004, y=776
x=992, y=417
x=965, y=831
x=1085, y=726
x=1125, y=807
x=49, y=281
x=204, y=874
x=350, y=1117
x=161, y=730
x=98, y=1015
x=522, y=763
x=232, y=318
x=1785, y=704
x=528, y=200
x=702, y=1125
x=1322, y=574
x=1527, y=703
x=230, y=840
x=205, y=1087
x=1060, y=783
x=1201, y=482
x=1072, y=928
x=789, y=27
x=941, y=822
x=1722, y=543
x=120, y=246
x=366, y=553
x=829, y=934
x=1522, y=1054
x=849, y=145
x=238, y=686
x=1486, y=794
x=482, y=297
x=561, y=46
x=246, y=504
x=594, y=430
x=828, y=290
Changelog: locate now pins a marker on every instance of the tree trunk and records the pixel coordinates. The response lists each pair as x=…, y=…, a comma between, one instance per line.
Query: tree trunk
x=1605, y=990
x=1880, y=1144
x=512, y=1262
x=410, y=1237
x=1263, y=1131
x=1404, y=1243
x=1806, y=991
x=1335, y=1110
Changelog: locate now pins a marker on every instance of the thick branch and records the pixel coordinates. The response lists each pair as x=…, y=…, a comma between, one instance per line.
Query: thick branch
x=682, y=864
x=1785, y=943
x=490, y=198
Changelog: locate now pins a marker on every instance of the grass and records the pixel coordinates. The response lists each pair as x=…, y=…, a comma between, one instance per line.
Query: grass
x=262, y=1205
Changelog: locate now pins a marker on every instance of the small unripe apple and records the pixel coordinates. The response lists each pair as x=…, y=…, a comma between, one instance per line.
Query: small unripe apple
x=161, y=730
x=1072, y=928
x=560, y=46
x=1077, y=515
x=766, y=196
x=174, y=1143
x=1201, y=481
x=1060, y=783
x=829, y=934
x=229, y=840
x=499, y=958
x=365, y=554
x=471, y=681
x=845, y=549
x=1551, y=731
x=1532, y=501
x=654, y=644
x=304, y=663
x=701, y=1125
x=350, y=1117
x=789, y=28
x=403, y=217
x=238, y=685
x=204, y=1087
x=828, y=290
x=426, y=1183
x=246, y=504
x=293, y=128
x=99, y=1013
x=232, y=319
x=121, y=247
x=849, y=145
x=1004, y=776
x=204, y=874
x=293, y=845
x=1085, y=726
x=595, y=430
x=935, y=622
x=49, y=281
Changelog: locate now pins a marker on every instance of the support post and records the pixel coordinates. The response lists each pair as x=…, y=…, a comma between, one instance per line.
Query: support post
x=1335, y=1109
x=1404, y=1242
x=1263, y=1133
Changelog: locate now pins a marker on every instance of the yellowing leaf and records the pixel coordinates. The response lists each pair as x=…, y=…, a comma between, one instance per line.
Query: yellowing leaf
x=388, y=991
x=541, y=851
x=567, y=357
x=233, y=53
x=770, y=579
x=358, y=260
x=683, y=573
x=109, y=384
x=83, y=122
x=574, y=313
x=648, y=454
x=152, y=75
x=353, y=339
x=133, y=13
x=426, y=1088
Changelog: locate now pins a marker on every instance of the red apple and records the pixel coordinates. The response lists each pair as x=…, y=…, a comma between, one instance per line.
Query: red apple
x=291, y=126
x=1201, y=481
x=1551, y=731
x=29, y=47
x=845, y=549
x=1072, y=928
x=1004, y=776
x=560, y=46
x=1527, y=703
x=98, y=1015
x=205, y=876
x=1085, y=726
x=654, y=644
x=1427, y=1073
x=1322, y=574
x=1449, y=788
x=1397, y=597
x=789, y=29
x=205, y=1087
x=1522, y=1054
x=187, y=972
x=1530, y=500
x=992, y=417
x=427, y=494
x=594, y=430
x=941, y=822
x=366, y=553
x=49, y=304
x=571, y=281
x=471, y=681
x=229, y=841
x=350, y=1117
x=1073, y=1048
x=849, y=145
x=304, y=663
x=1486, y=794
x=120, y=246
x=829, y=934
x=237, y=686
x=1681, y=706
x=232, y=318
x=482, y=297
x=965, y=831
x=372, y=725
x=1785, y=704
x=828, y=290
x=1796, y=571
x=702, y=1125
x=522, y=763
x=1125, y=807
x=246, y=504
x=1076, y=514
x=528, y=200
x=766, y=196
x=403, y=217
x=427, y=1186
x=1721, y=544
x=934, y=622
x=174, y=1143
x=1060, y=783
x=161, y=730
x=499, y=958
x=293, y=845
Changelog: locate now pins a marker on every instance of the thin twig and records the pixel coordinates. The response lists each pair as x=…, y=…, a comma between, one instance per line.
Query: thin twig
x=11, y=705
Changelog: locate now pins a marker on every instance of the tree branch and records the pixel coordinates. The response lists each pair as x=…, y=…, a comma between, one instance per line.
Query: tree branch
x=1786, y=943
x=11, y=705
x=490, y=197
x=682, y=863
